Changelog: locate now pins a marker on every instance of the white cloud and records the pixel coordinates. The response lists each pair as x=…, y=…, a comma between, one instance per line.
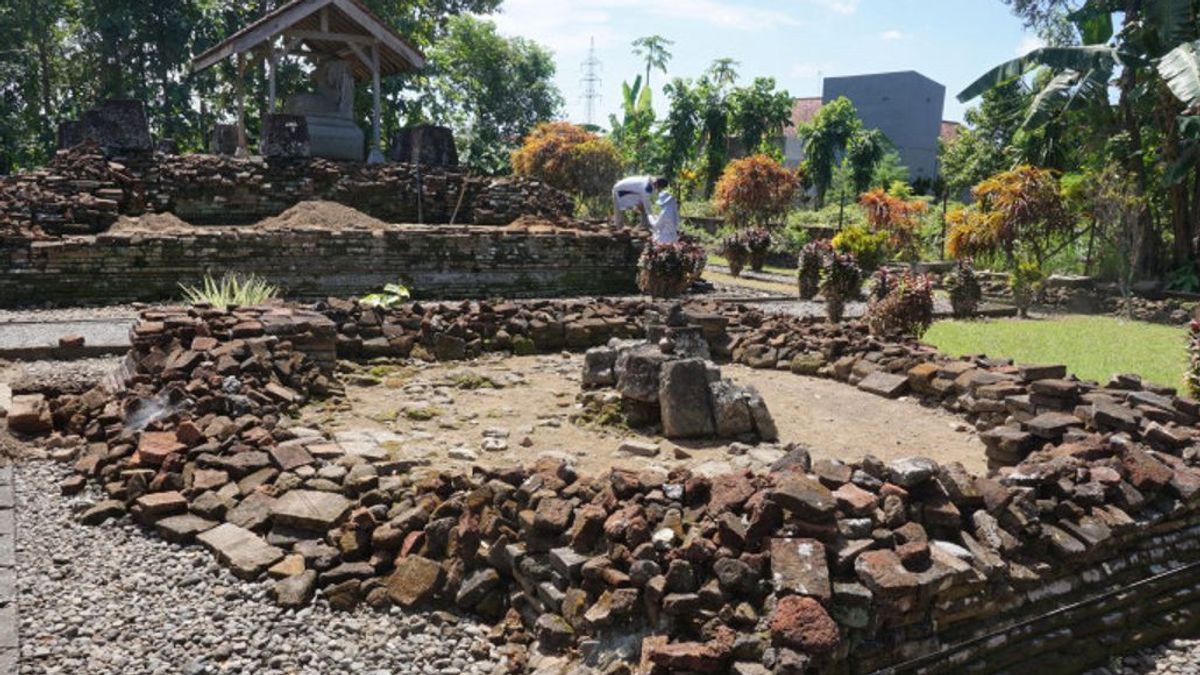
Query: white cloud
x=892, y=35
x=839, y=6
x=1029, y=43
x=566, y=27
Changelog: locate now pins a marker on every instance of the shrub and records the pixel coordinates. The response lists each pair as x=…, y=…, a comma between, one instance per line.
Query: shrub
x=570, y=158
x=964, y=288
x=1016, y=213
x=907, y=309
x=868, y=248
x=898, y=219
x=755, y=190
x=389, y=297
x=812, y=259
x=736, y=252
x=666, y=270
x=758, y=240
x=841, y=281
x=233, y=290
x=1026, y=285
x=882, y=283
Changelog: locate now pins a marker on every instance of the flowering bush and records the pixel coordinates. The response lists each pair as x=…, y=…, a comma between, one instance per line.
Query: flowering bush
x=964, y=288
x=907, y=309
x=841, y=281
x=812, y=259
x=736, y=253
x=1193, y=374
x=754, y=190
x=896, y=218
x=666, y=270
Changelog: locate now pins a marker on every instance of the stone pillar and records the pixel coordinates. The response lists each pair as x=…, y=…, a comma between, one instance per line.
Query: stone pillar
x=285, y=136
x=119, y=126
x=424, y=144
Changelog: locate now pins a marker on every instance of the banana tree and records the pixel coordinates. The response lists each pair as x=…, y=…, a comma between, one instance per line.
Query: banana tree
x=1152, y=55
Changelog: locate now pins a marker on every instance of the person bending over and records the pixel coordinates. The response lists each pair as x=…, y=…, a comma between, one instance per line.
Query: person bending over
x=635, y=193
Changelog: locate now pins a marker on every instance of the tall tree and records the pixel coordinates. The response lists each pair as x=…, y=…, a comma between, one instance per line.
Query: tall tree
x=724, y=72
x=758, y=111
x=653, y=50
x=825, y=139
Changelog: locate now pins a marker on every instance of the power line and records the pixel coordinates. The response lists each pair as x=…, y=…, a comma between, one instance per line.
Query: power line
x=591, y=83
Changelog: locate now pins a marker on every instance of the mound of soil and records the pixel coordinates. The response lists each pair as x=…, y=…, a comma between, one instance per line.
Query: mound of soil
x=322, y=215
x=152, y=222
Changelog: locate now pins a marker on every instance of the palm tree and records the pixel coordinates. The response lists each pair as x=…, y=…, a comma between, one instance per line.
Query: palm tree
x=654, y=50
x=724, y=72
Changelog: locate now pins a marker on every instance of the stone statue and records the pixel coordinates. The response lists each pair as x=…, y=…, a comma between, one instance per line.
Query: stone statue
x=334, y=84
x=329, y=112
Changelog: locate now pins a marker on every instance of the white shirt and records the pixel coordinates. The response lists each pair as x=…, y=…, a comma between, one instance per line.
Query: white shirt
x=636, y=189
x=666, y=226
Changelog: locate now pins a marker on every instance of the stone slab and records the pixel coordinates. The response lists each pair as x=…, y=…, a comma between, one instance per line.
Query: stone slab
x=247, y=555
x=310, y=509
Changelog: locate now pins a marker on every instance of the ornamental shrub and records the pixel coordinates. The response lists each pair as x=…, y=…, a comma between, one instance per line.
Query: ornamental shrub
x=812, y=260
x=736, y=253
x=1193, y=373
x=570, y=158
x=758, y=240
x=965, y=291
x=1026, y=284
x=841, y=281
x=907, y=309
x=666, y=270
x=868, y=248
x=755, y=190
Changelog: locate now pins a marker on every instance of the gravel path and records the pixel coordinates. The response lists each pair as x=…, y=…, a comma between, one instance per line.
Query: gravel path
x=113, y=599
x=1177, y=657
x=57, y=376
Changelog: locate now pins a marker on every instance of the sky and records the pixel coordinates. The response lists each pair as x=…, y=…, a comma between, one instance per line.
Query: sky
x=798, y=42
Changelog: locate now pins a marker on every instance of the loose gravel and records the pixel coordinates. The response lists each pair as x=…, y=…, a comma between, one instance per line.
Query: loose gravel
x=57, y=377
x=117, y=599
x=1177, y=657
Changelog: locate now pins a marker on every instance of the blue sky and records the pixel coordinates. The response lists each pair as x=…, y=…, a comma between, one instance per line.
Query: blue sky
x=795, y=41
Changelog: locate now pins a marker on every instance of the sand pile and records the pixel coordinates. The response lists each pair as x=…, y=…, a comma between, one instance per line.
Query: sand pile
x=159, y=223
x=322, y=215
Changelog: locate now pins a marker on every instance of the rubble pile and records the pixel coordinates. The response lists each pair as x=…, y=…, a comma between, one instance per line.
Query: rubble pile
x=79, y=192
x=1018, y=408
x=806, y=568
x=668, y=381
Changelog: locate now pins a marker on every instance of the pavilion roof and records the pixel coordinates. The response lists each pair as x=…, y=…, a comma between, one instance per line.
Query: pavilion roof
x=324, y=28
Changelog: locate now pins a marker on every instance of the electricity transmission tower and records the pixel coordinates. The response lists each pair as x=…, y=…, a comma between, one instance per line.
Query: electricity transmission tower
x=591, y=84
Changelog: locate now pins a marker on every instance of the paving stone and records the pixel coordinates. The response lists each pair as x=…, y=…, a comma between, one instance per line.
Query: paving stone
x=310, y=509
x=246, y=554
x=182, y=529
x=884, y=384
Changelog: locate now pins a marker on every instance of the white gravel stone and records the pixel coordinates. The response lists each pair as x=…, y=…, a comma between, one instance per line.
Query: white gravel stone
x=116, y=599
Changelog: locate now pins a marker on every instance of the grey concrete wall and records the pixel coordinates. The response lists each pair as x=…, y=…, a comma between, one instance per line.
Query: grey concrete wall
x=907, y=106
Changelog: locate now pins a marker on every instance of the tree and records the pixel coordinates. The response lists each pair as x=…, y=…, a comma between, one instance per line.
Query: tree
x=1017, y=213
x=714, y=131
x=653, y=50
x=864, y=152
x=492, y=90
x=1157, y=80
x=754, y=190
x=758, y=110
x=897, y=217
x=570, y=158
x=826, y=137
x=723, y=72
x=633, y=131
x=681, y=128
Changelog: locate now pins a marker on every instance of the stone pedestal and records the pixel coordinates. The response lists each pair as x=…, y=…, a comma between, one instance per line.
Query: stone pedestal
x=336, y=138
x=424, y=144
x=70, y=134
x=119, y=126
x=224, y=140
x=285, y=137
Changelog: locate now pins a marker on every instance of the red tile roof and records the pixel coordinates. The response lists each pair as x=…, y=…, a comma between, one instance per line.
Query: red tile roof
x=950, y=130
x=803, y=111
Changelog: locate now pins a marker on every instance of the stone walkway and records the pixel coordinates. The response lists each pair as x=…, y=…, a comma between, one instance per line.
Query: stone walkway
x=39, y=339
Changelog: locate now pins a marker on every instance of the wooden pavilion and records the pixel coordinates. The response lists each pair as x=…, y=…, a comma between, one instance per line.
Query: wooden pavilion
x=317, y=30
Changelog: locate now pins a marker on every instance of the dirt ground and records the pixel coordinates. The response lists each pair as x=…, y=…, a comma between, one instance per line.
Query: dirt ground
x=502, y=411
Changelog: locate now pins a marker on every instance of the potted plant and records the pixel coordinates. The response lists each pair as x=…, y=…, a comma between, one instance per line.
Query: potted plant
x=812, y=259
x=841, y=281
x=736, y=252
x=758, y=240
x=666, y=270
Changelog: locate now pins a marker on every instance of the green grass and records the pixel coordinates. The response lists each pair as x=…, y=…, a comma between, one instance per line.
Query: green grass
x=714, y=259
x=1092, y=347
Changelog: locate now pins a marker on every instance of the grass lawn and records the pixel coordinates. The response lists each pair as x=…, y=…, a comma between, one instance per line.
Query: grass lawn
x=714, y=259
x=1092, y=347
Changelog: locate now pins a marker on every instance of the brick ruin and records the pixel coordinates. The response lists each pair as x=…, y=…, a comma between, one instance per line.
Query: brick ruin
x=510, y=237
x=1087, y=546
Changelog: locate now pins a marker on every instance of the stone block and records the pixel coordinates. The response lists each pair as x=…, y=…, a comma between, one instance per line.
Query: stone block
x=246, y=554
x=310, y=510
x=285, y=137
x=684, y=400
